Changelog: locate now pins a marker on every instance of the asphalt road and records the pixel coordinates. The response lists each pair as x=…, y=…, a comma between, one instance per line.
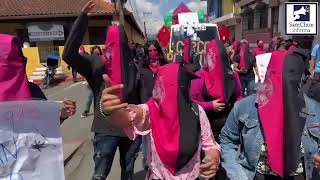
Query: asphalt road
x=76, y=135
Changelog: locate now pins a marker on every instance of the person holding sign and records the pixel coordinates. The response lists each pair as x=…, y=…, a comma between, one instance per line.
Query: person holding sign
x=244, y=63
x=14, y=84
x=177, y=129
x=275, y=133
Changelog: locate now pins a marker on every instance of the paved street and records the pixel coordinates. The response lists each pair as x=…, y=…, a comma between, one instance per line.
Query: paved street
x=76, y=134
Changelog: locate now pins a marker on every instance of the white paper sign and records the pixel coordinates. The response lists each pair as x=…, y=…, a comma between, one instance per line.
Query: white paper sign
x=262, y=61
x=188, y=19
x=30, y=141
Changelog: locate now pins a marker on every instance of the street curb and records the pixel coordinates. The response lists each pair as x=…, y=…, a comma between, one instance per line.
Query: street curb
x=74, y=160
x=58, y=81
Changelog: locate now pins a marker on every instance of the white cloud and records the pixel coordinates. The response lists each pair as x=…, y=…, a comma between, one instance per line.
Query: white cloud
x=153, y=21
x=196, y=5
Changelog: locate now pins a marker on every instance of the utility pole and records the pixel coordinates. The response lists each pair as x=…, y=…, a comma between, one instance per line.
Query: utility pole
x=144, y=23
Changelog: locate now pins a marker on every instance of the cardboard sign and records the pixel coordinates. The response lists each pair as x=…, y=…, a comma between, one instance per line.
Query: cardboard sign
x=262, y=61
x=201, y=35
x=188, y=19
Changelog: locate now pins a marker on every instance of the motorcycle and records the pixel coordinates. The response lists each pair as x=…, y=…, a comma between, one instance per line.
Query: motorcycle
x=52, y=64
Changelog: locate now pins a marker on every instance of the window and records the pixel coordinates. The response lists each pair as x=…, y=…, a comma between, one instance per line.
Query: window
x=248, y=18
x=97, y=35
x=261, y=11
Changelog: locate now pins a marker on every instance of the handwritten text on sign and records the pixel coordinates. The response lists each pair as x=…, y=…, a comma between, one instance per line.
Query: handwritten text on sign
x=30, y=141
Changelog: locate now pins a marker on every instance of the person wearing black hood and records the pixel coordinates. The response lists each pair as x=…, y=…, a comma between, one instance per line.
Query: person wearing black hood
x=107, y=137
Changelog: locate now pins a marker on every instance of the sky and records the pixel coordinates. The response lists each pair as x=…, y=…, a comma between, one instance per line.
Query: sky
x=158, y=8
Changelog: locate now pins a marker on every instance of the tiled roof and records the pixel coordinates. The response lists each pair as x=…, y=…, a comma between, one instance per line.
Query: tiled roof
x=20, y=9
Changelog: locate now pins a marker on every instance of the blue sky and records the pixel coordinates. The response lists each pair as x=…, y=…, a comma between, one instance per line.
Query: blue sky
x=158, y=8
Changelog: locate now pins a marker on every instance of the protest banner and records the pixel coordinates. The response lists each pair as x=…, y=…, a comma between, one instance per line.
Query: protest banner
x=262, y=61
x=30, y=141
x=200, y=35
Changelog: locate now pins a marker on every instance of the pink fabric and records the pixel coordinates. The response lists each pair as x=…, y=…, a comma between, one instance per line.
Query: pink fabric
x=186, y=50
x=156, y=166
x=235, y=45
x=154, y=56
x=213, y=74
x=82, y=50
x=113, y=42
x=242, y=64
x=13, y=79
x=164, y=115
x=196, y=94
x=197, y=87
x=258, y=51
x=291, y=48
x=154, y=67
x=270, y=99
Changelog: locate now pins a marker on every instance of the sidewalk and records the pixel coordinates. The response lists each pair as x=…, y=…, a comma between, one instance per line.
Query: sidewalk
x=58, y=81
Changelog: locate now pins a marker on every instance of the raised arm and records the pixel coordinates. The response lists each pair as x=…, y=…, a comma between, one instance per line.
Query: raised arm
x=71, y=48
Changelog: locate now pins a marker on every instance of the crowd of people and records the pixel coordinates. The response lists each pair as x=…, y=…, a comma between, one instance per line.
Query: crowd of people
x=192, y=121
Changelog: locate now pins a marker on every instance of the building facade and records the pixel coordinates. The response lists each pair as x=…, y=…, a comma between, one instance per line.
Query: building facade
x=264, y=19
x=44, y=27
x=225, y=12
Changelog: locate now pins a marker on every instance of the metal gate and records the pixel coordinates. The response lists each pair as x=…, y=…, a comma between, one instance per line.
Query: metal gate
x=47, y=50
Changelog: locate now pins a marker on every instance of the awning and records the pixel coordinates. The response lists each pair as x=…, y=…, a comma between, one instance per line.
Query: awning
x=45, y=32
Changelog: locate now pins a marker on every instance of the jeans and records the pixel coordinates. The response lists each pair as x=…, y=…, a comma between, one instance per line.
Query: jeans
x=74, y=74
x=247, y=85
x=89, y=100
x=105, y=147
x=144, y=148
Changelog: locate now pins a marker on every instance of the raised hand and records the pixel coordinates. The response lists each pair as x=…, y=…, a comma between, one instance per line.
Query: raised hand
x=110, y=101
x=88, y=7
x=68, y=109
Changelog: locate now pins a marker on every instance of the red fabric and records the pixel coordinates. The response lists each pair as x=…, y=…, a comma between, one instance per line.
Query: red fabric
x=242, y=64
x=186, y=50
x=182, y=8
x=258, y=51
x=271, y=112
x=164, y=36
x=154, y=67
x=235, y=45
x=13, y=79
x=113, y=43
x=224, y=33
x=213, y=74
x=82, y=50
x=164, y=115
x=291, y=48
